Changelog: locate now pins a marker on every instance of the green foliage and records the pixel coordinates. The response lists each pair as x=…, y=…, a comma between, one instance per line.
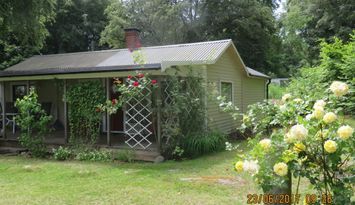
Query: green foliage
x=336, y=63
x=125, y=155
x=178, y=153
x=77, y=26
x=33, y=122
x=308, y=21
x=94, y=155
x=252, y=29
x=22, y=28
x=84, y=120
x=62, y=153
x=113, y=34
x=183, y=109
x=276, y=91
x=198, y=144
x=310, y=141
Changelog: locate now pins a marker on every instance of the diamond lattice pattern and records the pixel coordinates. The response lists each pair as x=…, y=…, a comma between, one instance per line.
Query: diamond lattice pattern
x=138, y=120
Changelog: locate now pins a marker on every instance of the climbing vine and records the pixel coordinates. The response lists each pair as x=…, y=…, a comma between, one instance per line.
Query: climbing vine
x=84, y=118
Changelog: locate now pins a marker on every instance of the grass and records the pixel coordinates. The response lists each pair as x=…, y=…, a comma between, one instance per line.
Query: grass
x=276, y=91
x=206, y=180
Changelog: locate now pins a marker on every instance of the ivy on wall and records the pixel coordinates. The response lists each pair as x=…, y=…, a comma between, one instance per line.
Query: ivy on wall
x=84, y=119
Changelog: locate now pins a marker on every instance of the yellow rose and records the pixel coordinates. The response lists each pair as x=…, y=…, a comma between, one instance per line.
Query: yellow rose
x=265, y=144
x=345, y=131
x=339, y=88
x=286, y=97
x=281, y=169
x=330, y=146
x=318, y=112
x=299, y=147
x=298, y=132
x=239, y=166
x=329, y=117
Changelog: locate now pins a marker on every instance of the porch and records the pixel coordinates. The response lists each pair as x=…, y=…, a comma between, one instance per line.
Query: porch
x=134, y=127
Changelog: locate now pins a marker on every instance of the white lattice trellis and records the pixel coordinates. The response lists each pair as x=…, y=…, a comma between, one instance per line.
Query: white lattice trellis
x=170, y=116
x=170, y=120
x=138, y=121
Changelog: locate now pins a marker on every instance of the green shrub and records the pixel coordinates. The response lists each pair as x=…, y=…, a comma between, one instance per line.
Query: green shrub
x=336, y=64
x=276, y=91
x=94, y=155
x=62, y=153
x=125, y=155
x=34, y=124
x=198, y=144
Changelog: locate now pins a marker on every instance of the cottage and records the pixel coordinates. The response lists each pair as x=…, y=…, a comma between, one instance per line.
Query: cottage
x=218, y=62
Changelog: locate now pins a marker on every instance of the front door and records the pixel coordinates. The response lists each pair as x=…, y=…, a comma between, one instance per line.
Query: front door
x=117, y=118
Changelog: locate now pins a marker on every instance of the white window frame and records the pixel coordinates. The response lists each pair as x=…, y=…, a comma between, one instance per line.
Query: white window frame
x=220, y=88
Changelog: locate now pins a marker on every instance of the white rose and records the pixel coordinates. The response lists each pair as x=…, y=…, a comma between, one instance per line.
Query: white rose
x=251, y=166
x=344, y=132
x=319, y=103
x=329, y=117
x=339, y=88
x=286, y=97
x=298, y=132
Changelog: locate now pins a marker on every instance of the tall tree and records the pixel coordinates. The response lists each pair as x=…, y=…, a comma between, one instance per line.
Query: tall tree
x=22, y=28
x=77, y=26
x=310, y=20
x=250, y=24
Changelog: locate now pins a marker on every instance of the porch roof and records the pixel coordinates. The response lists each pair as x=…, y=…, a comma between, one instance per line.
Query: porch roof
x=156, y=57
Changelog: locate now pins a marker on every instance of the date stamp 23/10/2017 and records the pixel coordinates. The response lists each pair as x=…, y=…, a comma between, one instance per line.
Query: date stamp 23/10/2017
x=288, y=199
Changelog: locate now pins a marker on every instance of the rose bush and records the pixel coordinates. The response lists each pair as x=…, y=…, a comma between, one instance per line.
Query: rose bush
x=308, y=139
x=133, y=86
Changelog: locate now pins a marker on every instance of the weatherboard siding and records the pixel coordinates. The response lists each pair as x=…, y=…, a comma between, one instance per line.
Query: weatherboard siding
x=253, y=91
x=246, y=90
x=228, y=69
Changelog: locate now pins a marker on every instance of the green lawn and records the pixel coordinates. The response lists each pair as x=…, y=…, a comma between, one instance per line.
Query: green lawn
x=206, y=180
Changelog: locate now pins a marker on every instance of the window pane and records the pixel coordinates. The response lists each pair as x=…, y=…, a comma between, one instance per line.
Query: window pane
x=226, y=91
x=19, y=91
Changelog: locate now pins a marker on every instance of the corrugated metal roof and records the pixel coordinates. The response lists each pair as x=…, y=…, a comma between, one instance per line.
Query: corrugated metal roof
x=256, y=73
x=165, y=56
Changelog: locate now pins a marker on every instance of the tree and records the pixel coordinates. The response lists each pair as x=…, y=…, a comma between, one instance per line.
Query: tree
x=308, y=21
x=250, y=24
x=77, y=27
x=22, y=28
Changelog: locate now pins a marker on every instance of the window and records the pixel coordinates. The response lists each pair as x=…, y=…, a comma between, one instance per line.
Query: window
x=227, y=91
x=18, y=91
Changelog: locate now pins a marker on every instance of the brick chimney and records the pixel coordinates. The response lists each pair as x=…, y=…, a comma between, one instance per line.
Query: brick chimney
x=132, y=39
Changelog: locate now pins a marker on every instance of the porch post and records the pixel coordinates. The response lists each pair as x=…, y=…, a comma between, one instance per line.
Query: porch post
x=3, y=110
x=27, y=87
x=65, y=111
x=159, y=104
x=108, y=120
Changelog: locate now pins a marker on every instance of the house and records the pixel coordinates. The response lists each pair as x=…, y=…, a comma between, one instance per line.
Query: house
x=280, y=81
x=217, y=61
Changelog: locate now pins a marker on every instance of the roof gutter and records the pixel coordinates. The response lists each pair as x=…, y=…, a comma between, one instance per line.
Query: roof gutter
x=54, y=71
x=267, y=89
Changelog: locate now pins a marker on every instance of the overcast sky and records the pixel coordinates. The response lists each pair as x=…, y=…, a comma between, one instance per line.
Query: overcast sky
x=281, y=8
